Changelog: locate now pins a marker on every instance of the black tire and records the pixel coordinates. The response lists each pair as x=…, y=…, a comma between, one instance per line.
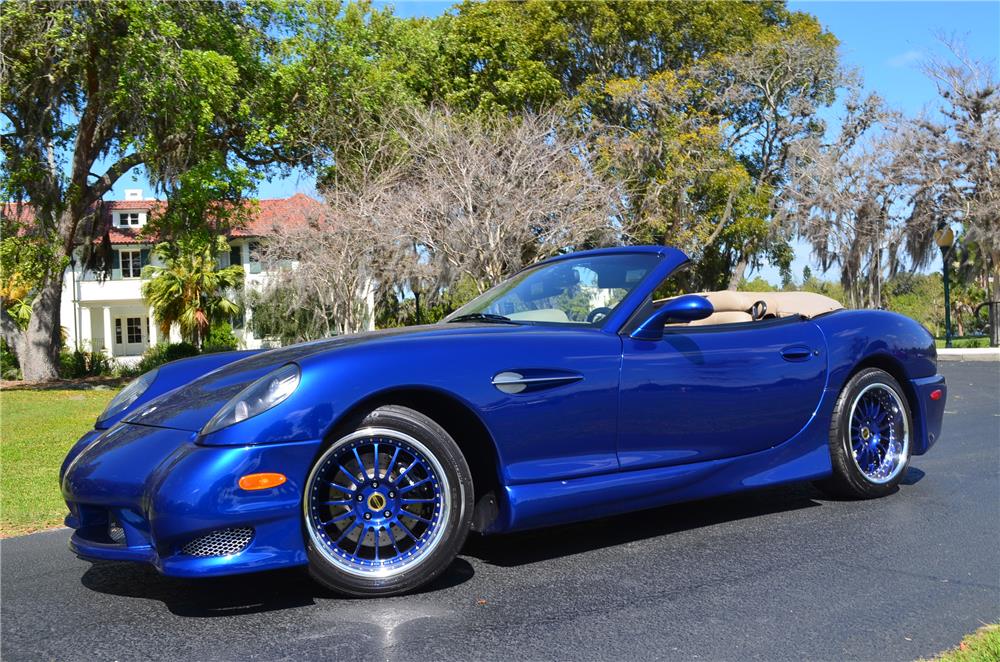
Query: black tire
x=455, y=526
x=848, y=480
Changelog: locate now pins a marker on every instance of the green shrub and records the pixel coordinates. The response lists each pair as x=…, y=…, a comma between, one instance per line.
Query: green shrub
x=919, y=297
x=162, y=353
x=77, y=364
x=220, y=338
x=758, y=284
x=9, y=367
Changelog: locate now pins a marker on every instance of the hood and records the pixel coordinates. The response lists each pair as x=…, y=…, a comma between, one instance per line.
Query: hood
x=192, y=405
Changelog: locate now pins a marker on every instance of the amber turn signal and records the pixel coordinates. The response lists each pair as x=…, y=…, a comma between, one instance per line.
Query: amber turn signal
x=261, y=481
x=936, y=394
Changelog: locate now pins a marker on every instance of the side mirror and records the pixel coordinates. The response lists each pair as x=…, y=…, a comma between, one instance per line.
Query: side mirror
x=687, y=308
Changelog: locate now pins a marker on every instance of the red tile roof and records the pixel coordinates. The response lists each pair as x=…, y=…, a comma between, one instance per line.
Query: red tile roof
x=294, y=211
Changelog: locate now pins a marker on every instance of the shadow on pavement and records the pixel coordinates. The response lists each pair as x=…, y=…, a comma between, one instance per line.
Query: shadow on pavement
x=230, y=596
x=544, y=544
x=912, y=477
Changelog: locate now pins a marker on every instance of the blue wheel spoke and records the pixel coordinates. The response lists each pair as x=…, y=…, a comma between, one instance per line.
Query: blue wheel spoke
x=364, y=471
x=409, y=501
x=413, y=486
x=345, y=490
x=339, y=502
x=338, y=518
x=392, y=539
x=354, y=479
x=407, y=513
x=392, y=463
x=343, y=534
x=406, y=529
x=361, y=538
x=403, y=472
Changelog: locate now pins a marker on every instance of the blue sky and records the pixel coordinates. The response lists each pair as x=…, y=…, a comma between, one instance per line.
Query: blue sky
x=886, y=41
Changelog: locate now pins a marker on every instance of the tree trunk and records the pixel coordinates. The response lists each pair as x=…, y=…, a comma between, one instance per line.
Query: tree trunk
x=39, y=353
x=738, y=272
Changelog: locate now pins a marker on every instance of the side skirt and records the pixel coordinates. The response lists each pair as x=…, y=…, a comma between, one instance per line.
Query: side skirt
x=804, y=457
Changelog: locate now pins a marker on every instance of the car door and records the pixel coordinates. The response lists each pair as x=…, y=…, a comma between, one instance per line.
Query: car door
x=709, y=392
x=549, y=397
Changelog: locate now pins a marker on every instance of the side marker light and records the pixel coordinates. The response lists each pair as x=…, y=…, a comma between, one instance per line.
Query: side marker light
x=261, y=481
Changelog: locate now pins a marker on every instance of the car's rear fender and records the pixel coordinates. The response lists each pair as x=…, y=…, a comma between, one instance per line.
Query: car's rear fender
x=859, y=339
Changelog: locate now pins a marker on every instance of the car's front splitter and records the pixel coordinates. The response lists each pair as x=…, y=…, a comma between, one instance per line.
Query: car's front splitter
x=147, y=494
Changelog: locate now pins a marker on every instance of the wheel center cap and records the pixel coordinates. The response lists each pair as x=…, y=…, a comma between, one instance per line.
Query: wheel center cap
x=376, y=501
x=865, y=433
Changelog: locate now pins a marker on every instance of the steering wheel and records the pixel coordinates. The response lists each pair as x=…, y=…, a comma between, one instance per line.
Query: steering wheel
x=597, y=314
x=758, y=310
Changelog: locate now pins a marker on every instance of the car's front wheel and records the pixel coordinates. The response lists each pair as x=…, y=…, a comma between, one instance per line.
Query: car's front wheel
x=387, y=506
x=869, y=437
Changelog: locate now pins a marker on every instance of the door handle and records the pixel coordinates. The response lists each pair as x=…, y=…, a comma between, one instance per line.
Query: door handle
x=798, y=353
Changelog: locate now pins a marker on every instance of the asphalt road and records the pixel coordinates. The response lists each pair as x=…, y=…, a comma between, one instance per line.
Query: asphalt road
x=777, y=574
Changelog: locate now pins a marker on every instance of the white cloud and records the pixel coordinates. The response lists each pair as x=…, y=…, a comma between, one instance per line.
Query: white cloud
x=904, y=59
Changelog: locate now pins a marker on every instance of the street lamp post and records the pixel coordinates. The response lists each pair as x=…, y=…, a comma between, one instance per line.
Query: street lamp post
x=945, y=239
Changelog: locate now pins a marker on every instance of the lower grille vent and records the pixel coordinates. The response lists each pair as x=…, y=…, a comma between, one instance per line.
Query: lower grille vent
x=222, y=542
x=116, y=532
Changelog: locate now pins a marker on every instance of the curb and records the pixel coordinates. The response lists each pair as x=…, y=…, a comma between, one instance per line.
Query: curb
x=969, y=354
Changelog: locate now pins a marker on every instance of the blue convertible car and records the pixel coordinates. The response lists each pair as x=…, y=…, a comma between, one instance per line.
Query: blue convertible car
x=586, y=385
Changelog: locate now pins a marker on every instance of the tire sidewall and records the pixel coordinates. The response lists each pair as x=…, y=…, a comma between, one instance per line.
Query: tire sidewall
x=842, y=453
x=456, y=526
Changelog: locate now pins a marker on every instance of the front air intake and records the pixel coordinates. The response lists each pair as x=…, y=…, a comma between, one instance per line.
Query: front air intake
x=221, y=542
x=116, y=532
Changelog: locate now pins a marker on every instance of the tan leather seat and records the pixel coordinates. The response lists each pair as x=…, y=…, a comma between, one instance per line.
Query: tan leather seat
x=723, y=317
x=733, y=306
x=807, y=304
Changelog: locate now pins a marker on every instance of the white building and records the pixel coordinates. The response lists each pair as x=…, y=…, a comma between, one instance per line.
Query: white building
x=108, y=313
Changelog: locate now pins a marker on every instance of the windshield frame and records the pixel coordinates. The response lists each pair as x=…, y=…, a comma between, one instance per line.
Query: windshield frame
x=663, y=260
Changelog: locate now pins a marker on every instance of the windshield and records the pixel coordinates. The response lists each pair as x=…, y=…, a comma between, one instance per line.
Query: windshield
x=575, y=291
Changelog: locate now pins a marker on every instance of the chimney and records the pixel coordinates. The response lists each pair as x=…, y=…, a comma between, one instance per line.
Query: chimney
x=133, y=194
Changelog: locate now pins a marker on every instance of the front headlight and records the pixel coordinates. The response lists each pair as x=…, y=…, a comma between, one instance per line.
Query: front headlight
x=128, y=395
x=268, y=391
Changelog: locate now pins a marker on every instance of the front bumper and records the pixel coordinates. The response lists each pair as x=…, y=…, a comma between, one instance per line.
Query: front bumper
x=166, y=493
x=928, y=413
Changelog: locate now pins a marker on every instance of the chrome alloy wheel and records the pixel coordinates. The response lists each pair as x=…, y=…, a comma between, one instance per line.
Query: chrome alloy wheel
x=376, y=503
x=879, y=434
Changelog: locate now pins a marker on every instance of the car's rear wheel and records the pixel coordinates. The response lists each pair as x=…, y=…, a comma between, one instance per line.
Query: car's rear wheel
x=870, y=436
x=387, y=506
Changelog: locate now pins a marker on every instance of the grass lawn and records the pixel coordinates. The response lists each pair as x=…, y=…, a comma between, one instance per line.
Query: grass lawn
x=963, y=343
x=983, y=645
x=37, y=427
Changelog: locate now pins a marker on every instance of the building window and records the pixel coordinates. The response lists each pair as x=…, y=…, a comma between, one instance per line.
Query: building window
x=128, y=218
x=254, y=257
x=118, y=330
x=133, y=329
x=131, y=264
x=236, y=256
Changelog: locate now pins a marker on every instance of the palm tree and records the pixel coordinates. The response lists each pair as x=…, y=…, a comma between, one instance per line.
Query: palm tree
x=190, y=288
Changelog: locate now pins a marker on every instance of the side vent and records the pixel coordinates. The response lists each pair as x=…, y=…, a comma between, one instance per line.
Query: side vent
x=221, y=542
